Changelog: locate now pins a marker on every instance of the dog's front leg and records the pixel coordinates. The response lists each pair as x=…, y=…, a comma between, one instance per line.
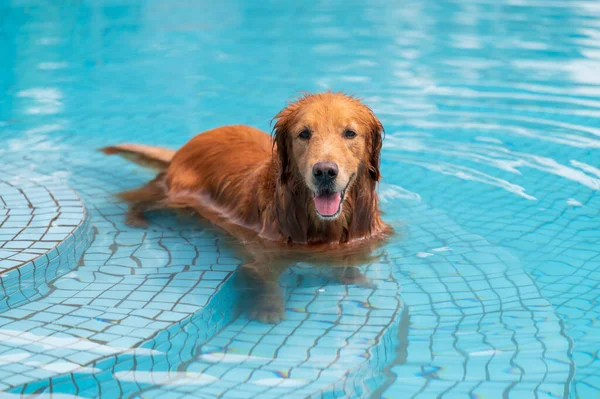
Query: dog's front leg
x=266, y=302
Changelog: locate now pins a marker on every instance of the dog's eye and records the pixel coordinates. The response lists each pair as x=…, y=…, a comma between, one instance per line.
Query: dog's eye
x=349, y=134
x=305, y=134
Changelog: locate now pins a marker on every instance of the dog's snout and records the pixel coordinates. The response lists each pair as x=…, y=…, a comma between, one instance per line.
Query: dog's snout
x=325, y=172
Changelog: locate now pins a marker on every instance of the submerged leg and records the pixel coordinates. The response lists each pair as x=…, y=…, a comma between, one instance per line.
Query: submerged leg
x=135, y=215
x=266, y=302
x=150, y=197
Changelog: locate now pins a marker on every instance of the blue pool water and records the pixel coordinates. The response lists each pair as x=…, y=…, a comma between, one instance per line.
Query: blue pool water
x=491, y=165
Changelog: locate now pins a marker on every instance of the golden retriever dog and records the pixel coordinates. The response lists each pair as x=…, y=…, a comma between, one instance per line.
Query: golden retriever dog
x=306, y=194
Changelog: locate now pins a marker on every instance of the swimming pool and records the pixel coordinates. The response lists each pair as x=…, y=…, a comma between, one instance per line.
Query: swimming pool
x=490, y=176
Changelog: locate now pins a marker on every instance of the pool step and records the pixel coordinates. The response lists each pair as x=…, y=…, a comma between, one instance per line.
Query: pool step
x=44, y=230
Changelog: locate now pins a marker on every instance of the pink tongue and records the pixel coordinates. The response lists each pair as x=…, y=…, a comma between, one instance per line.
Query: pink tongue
x=328, y=204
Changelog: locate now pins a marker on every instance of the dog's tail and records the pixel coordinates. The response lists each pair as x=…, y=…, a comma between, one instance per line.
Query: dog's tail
x=150, y=157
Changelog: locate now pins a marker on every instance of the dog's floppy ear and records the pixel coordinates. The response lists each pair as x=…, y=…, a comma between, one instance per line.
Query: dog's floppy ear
x=376, y=142
x=282, y=138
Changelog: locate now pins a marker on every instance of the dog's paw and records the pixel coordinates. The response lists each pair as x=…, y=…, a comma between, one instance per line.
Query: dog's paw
x=268, y=309
x=353, y=276
x=136, y=220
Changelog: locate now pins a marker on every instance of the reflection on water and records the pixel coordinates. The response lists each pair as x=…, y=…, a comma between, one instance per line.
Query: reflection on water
x=490, y=166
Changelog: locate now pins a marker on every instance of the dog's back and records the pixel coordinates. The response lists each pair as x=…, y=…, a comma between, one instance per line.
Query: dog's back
x=219, y=161
x=221, y=167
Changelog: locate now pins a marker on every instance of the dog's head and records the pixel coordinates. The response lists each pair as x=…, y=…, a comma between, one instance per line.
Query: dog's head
x=326, y=141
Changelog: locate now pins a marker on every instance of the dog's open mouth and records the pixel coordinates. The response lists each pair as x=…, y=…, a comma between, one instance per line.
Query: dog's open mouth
x=328, y=204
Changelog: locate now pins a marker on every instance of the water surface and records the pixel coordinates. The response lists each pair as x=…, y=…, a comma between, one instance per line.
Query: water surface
x=490, y=164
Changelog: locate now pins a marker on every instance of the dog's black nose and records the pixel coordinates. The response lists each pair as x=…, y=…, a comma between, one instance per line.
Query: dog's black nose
x=325, y=172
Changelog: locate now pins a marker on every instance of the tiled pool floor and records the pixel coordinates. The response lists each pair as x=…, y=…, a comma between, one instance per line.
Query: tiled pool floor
x=491, y=172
